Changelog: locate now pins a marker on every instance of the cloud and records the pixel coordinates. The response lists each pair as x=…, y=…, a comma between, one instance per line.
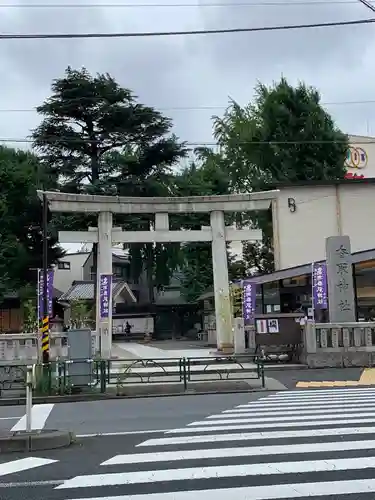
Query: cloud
x=194, y=71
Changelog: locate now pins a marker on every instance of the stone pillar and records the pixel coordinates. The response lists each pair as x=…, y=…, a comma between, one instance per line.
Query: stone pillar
x=341, y=298
x=309, y=337
x=239, y=336
x=104, y=326
x=223, y=312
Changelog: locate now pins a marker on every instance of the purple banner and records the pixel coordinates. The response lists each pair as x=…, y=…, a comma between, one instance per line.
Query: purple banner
x=105, y=285
x=249, y=301
x=319, y=283
x=50, y=276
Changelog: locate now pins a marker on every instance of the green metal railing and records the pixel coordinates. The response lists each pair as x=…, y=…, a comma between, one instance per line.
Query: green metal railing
x=103, y=376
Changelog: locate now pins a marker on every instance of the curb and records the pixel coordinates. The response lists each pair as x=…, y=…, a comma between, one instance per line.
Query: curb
x=35, y=441
x=76, y=398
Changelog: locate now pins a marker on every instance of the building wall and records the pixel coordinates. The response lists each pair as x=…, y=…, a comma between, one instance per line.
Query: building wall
x=64, y=278
x=320, y=212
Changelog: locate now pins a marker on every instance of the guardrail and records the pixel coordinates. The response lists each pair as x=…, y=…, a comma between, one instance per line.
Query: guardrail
x=103, y=376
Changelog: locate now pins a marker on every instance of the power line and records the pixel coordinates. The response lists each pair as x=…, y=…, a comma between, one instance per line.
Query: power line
x=176, y=5
x=179, y=33
x=193, y=108
x=70, y=140
x=367, y=4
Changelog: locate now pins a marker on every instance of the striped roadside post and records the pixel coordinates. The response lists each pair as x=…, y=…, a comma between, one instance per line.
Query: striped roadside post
x=45, y=339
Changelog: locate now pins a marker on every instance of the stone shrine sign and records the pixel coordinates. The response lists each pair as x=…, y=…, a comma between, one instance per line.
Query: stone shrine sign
x=341, y=297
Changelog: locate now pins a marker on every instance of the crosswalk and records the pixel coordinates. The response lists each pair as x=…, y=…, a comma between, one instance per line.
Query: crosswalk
x=288, y=445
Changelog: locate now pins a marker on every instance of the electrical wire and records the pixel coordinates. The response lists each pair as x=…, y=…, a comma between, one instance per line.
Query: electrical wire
x=70, y=140
x=49, y=36
x=367, y=4
x=192, y=108
x=177, y=5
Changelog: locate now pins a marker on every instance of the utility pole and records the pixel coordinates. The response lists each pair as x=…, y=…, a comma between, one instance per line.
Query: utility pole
x=45, y=317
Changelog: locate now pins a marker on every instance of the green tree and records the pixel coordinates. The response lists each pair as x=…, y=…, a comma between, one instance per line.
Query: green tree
x=283, y=136
x=21, y=220
x=97, y=138
x=202, y=177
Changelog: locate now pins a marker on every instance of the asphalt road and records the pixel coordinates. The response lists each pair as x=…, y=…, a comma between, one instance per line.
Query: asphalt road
x=124, y=415
x=288, y=445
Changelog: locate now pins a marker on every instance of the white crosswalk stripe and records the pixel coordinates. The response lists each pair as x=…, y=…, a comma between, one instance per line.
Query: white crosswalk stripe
x=23, y=464
x=289, y=445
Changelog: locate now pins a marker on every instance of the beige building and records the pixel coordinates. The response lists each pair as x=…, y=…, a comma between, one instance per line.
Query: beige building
x=304, y=215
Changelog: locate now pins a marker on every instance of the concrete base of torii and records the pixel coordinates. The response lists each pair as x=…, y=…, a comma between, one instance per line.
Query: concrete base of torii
x=218, y=234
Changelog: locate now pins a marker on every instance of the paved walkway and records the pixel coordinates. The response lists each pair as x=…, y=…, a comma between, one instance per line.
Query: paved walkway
x=134, y=350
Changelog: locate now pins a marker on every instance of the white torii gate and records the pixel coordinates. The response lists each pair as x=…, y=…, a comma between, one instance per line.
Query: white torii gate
x=218, y=234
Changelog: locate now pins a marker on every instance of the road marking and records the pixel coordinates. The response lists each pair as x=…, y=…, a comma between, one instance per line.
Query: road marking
x=310, y=423
x=274, y=492
x=279, y=394
x=23, y=464
x=121, y=433
x=331, y=383
x=245, y=436
x=39, y=415
x=28, y=484
x=193, y=473
x=252, y=451
x=302, y=409
x=295, y=405
x=9, y=418
x=319, y=399
x=321, y=393
x=279, y=419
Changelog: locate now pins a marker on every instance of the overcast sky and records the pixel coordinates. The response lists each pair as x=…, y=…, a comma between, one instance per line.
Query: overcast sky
x=196, y=72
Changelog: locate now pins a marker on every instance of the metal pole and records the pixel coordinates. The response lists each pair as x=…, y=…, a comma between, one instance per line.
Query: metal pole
x=29, y=397
x=45, y=320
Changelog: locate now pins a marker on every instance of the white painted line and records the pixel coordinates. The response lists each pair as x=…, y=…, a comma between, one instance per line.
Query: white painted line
x=9, y=418
x=343, y=390
x=273, y=492
x=39, y=415
x=278, y=419
x=253, y=451
x=30, y=484
x=121, y=433
x=321, y=394
x=301, y=410
x=273, y=425
x=327, y=398
x=23, y=464
x=297, y=404
x=247, y=436
x=155, y=476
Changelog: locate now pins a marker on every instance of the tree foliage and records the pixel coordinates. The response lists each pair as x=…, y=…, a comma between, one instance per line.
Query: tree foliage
x=97, y=138
x=21, y=219
x=205, y=176
x=283, y=136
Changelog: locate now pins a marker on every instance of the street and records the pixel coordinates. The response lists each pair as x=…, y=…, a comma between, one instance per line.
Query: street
x=123, y=415
x=285, y=445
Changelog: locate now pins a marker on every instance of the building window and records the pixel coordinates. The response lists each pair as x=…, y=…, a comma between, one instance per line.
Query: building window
x=121, y=271
x=63, y=265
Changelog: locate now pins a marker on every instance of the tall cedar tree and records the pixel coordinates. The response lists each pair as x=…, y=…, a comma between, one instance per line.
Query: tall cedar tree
x=98, y=138
x=284, y=136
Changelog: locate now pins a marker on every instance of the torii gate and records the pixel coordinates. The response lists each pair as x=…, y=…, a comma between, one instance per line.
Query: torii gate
x=218, y=234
